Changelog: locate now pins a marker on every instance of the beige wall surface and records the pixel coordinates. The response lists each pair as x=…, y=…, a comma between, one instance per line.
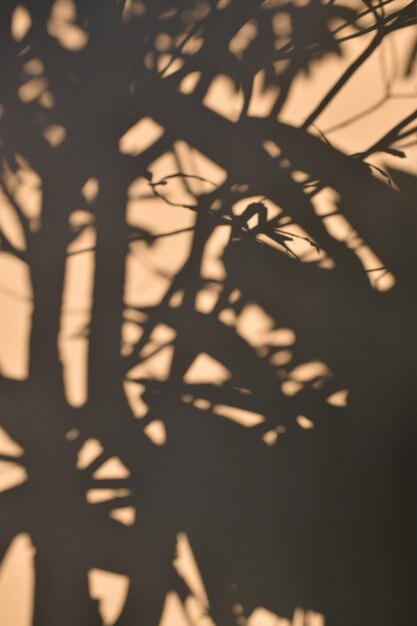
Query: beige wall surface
x=377, y=97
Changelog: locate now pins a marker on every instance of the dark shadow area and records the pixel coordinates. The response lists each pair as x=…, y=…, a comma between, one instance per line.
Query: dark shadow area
x=312, y=504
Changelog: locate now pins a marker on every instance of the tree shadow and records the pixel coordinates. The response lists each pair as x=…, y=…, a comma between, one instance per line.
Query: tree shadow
x=290, y=464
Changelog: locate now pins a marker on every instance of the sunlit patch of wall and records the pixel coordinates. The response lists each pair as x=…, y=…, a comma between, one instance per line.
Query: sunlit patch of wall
x=62, y=24
x=378, y=95
x=164, y=223
x=12, y=470
x=20, y=215
x=35, y=88
x=110, y=590
x=107, y=481
x=15, y=315
x=196, y=607
x=17, y=582
x=155, y=257
x=223, y=98
x=263, y=617
x=21, y=22
x=76, y=305
x=326, y=204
